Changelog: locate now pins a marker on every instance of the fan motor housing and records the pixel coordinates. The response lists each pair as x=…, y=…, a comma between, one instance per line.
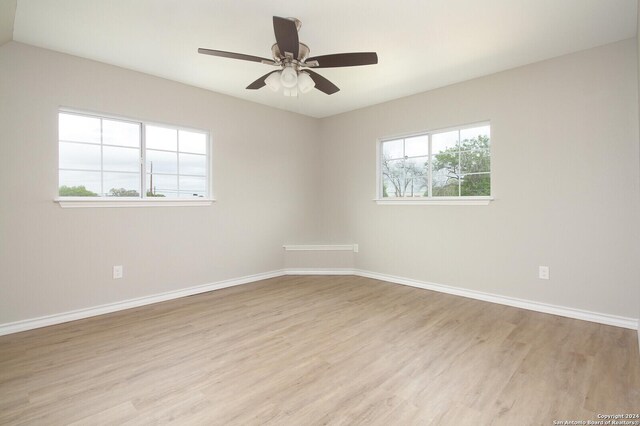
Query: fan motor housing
x=303, y=53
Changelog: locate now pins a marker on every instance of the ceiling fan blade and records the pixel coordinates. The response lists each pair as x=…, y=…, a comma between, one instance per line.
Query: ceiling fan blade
x=345, y=60
x=233, y=55
x=322, y=84
x=286, y=35
x=260, y=82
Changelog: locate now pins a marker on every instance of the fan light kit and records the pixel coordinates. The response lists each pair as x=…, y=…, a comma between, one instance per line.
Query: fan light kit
x=291, y=80
x=292, y=57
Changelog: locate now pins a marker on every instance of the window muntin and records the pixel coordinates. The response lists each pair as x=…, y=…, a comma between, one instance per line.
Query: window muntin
x=107, y=157
x=454, y=164
x=176, y=162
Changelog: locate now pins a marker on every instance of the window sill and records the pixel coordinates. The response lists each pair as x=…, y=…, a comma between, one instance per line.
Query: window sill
x=439, y=201
x=131, y=202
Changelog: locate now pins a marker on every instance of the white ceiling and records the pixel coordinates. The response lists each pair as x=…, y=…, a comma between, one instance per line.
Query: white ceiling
x=421, y=44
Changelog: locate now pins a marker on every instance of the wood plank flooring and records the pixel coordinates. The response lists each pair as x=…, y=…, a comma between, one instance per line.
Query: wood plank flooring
x=315, y=351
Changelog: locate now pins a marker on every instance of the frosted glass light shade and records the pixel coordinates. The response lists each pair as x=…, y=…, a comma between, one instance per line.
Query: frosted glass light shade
x=273, y=81
x=305, y=82
x=288, y=78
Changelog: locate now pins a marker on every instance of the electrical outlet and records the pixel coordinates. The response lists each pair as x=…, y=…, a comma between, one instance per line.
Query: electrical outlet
x=543, y=272
x=117, y=272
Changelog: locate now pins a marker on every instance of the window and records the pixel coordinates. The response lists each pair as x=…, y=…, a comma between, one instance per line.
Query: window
x=451, y=165
x=101, y=157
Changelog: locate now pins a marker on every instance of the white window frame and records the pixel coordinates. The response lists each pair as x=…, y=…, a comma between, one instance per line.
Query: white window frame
x=429, y=200
x=143, y=200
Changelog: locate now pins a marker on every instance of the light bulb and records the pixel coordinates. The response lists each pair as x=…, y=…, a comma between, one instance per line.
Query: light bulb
x=273, y=81
x=305, y=82
x=289, y=77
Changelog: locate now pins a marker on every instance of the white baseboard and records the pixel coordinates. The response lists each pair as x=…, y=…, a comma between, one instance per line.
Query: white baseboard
x=319, y=271
x=547, y=308
x=563, y=311
x=29, y=324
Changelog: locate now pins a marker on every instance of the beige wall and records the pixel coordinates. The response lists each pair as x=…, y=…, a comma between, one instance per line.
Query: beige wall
x=565, y=178
x=319, y=260
x=7, y=17
x=54, y=260
x=565, y=181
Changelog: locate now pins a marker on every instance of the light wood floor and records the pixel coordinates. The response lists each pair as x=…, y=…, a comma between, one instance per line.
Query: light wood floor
x=319, y=350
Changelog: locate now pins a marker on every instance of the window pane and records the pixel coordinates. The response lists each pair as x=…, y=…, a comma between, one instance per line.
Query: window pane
x=161, y=138
x=475, y=161
x=445, y=184
x=393, y=177
x=120, y=133
x=417, y=166
x=482, y=133
x=476, y=185
x=191, y=183
x=79, y=156
x=397, y=187
x=191, y=164
x=476, y=143
x=80, y=128
x=121, y=159
x=388, y=188
x=192, y=194
x=162, y=185
x=393, y=149
x=162, y=162
x=417, y=187
x=444, y=142
x=121, y=184
x=79, y=184
x=416, y=146
x=445, y=158
x=193, y=142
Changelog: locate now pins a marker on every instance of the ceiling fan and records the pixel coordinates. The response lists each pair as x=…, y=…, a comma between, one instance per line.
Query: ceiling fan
x=292, y=59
